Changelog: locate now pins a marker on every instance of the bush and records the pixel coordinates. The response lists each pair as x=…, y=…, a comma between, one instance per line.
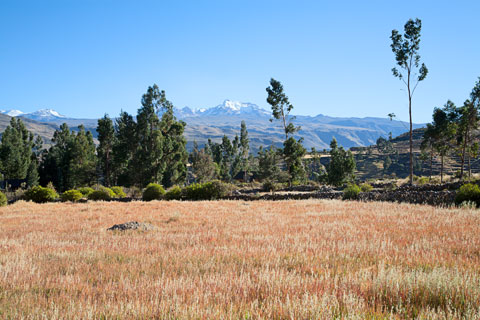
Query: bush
x=3, y=199
x=39, y=194
x=351, y=192
x=174, y=193
x=208, y=191
x=468, y=192
x=119, y=193
x=71, y=195
x=85, y=191
x=102, y=193
x=270, y=186
x=366, y=187
x=153, y=191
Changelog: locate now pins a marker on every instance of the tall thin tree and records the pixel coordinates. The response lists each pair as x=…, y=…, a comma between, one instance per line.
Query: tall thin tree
x=406, y=47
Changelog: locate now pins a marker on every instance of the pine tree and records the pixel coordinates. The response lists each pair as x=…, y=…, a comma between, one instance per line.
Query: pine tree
x=175, y=155
x=124, y=148
x=83, y=161
x=16, y=153
x=106, y=139
x=71, y=161
x=148, y=163
x=244, y=150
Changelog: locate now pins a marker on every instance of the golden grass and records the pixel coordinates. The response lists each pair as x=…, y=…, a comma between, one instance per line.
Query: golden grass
x=230, y=259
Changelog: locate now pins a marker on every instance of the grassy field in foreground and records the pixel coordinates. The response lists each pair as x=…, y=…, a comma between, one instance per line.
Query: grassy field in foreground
x=230, y=260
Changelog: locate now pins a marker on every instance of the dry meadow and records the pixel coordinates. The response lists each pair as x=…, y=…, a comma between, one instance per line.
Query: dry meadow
x=308, y=259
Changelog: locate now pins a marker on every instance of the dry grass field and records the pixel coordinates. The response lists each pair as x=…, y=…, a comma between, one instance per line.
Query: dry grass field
x=231, y=260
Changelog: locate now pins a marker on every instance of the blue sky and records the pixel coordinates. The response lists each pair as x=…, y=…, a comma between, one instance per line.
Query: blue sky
x=86, y=58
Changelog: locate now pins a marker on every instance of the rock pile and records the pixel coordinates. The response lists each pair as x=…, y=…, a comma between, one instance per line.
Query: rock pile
x=132, y=225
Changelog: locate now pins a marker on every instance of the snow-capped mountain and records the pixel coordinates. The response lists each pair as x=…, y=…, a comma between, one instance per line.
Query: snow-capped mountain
x=40, y=115
x=224, y=119
x=227, y=108
x=12, y=113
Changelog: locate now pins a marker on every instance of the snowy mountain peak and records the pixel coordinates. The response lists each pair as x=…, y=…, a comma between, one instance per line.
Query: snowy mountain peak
x=13, y=113
x=39, y=115
x=46, y=113
x=229, y=107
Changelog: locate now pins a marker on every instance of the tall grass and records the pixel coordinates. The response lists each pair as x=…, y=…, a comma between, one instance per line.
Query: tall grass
x=229, y=260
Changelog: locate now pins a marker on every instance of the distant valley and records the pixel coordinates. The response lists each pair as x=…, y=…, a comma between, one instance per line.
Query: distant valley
x=213, y=123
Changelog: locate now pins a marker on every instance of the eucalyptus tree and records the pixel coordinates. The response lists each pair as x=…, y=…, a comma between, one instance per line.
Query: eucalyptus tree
x=405, y=48
x=468, y=122
x=441, y=133
x=293, y=150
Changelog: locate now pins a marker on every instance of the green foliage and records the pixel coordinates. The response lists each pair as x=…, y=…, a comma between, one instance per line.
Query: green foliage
x=174, y=193
x=351, y=192
x=71, y=195
x=119, y=192
x=153, y=191
x=106, y=139
x=271, y=186
x=71, y=161
x=3, y=200
x=405, y=48
x=124, y=149
x=281, y=107
x=101, y=194
x=203, y=167
x=85, y=191
x=342, y=165
x=244, y=150
x=468, y=192
x=366, y=187
x=293, y=152
x=268, y=164
x=17, y=153
x=207, y=191
x=175, y=153
x=39, y=194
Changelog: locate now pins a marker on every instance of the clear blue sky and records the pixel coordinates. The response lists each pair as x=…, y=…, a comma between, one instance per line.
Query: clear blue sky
x=89, y=57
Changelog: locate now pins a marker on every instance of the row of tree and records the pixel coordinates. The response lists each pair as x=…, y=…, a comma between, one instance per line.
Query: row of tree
x=151, y=147
x=454, y=131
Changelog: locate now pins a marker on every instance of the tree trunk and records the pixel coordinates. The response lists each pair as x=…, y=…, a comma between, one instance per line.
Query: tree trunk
x=463, y=153
x=441, y=170
x=431, y=165
x=469, y=167
x=411, y=135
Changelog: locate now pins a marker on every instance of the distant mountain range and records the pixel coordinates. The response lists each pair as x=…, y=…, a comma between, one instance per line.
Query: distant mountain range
x=213, y=123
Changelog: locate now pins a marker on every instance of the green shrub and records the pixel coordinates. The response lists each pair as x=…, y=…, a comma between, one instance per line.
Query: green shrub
x=366, y=187
x=85, y=191
x=119, y=193
x=39, y=194
x=3, y=200
x=208, y=191
x=351, y=192
x=102, y=193
x=468, y=192
x=174, y=193
x=421, y=180
x=71, y=195
x=153, y=191
x=270, y=186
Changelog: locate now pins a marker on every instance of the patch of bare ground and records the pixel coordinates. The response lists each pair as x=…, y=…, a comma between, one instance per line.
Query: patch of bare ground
x=312, y=259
